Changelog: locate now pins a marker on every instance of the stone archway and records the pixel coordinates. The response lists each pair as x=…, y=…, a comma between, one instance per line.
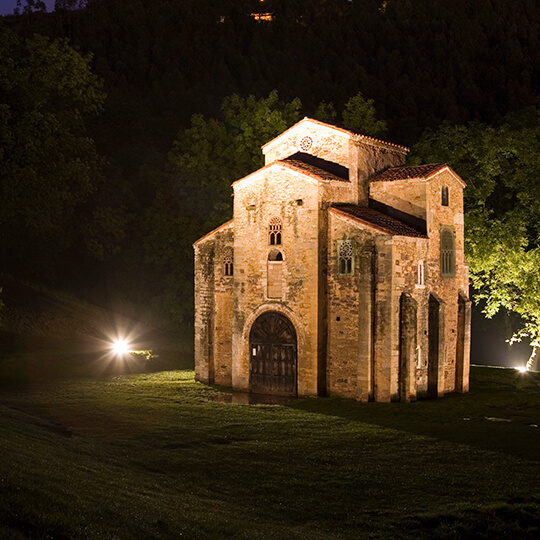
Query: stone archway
x=272, y=352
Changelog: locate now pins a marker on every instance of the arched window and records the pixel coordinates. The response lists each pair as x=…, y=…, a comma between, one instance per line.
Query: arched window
x=275, y=274
x=274, y=232
x=444, y=196
x=345, y=252
x=228, y=266
x=448, y=253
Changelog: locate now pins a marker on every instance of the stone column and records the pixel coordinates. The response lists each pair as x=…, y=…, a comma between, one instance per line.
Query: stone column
x=366, y=263
x=408, y=308
x=463, y=345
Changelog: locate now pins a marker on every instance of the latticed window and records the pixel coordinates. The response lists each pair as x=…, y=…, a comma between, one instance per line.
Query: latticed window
x=448, y=253
x=345, y=249
x=274, y=232
x=228, y=267
x=444, y=196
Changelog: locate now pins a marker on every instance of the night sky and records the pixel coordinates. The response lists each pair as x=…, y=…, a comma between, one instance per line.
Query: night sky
x=7, y=6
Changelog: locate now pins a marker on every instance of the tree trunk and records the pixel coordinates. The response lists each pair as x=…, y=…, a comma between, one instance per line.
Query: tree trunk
x=532, y=361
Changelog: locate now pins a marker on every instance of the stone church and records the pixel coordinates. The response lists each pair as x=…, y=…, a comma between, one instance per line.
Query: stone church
x=342, y=273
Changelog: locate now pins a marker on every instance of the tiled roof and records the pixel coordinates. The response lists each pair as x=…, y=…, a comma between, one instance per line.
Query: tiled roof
x=311, y=170
x=328, y=166
x=381, y=221
x=404, y=173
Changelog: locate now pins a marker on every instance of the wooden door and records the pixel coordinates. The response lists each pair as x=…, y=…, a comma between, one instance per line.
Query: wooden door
x=272, y=346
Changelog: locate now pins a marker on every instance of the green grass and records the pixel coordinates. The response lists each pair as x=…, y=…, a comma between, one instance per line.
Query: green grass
x=161, y=456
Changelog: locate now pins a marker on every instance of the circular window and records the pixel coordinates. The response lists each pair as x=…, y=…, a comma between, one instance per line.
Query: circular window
x=306, y=143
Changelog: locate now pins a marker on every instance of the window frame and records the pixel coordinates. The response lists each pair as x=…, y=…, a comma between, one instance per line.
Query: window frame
x=228, y=263
x=447, y=258
x=275, y=232
x=341, y=245
x=445, y=196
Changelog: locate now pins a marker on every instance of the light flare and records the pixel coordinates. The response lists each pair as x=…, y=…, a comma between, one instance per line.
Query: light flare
x=120, y=347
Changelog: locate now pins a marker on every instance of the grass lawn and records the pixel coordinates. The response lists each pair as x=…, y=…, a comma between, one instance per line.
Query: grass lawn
x=161, y=456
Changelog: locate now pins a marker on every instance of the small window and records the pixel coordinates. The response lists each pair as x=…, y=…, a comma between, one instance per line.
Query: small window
x=420, y=273
x=345, y=256
x=448, y=253
x=228, y=266
x=274, y=232
x=444, y=196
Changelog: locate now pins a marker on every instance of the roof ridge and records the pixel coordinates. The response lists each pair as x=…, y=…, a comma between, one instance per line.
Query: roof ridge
x=355, y=133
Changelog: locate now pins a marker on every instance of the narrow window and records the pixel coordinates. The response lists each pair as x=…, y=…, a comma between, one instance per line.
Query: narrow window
x=345, y=256
x=228, y=267
x=274, y=232
x=420, y=273
x=448, y=253
x=275, y=274
x=444, y=196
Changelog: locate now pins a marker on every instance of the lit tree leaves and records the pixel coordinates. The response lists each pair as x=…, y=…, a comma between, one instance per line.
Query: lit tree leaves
x=501, y=166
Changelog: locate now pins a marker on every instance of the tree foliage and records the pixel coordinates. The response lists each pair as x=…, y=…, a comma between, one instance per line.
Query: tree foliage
x=501, y=166
x=205, y=159
x=49, y=167
x=359, y=114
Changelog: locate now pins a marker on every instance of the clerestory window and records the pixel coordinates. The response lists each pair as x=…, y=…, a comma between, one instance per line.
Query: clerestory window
x=448, y=253
x=444, y=196
x=228, y=266
x=274, y=232
x=345, y=252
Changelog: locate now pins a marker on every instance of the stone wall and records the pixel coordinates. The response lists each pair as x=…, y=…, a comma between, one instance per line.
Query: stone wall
x=213, y=308
x=296, y=201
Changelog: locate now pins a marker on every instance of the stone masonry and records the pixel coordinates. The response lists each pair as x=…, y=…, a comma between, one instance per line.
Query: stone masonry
x=341, y=273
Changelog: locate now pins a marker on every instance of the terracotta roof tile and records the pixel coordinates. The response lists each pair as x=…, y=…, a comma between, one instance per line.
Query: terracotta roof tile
x=328, y=166
x=404, y=173
x=377, y=219
x=320, y=174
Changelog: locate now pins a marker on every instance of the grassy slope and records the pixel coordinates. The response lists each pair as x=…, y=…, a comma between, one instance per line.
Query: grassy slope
x=156, y=456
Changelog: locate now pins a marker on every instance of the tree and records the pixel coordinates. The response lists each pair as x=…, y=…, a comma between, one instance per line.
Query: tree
x=359, y=114
x=501, y=167
x=211, y=154
x=30, y=7
x=325, y=112
x=196, y=197
x=49, y=167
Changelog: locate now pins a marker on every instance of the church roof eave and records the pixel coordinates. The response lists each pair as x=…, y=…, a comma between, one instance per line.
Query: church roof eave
x=208, y=235
x=308, y=172
x=420, y=172
x=375, y=220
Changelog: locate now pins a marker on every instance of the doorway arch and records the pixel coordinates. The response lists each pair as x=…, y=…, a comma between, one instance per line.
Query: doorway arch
x=273, y=355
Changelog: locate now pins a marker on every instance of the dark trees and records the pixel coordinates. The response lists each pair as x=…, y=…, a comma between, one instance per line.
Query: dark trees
x=49, y=167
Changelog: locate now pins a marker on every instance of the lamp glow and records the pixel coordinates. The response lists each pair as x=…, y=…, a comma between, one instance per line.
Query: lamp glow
x=523, y=369
x=120, y=347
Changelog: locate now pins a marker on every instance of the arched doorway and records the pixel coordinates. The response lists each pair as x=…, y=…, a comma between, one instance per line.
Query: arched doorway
x=272, y=350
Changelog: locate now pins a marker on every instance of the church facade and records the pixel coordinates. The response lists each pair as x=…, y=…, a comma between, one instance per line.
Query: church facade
x=341, y=273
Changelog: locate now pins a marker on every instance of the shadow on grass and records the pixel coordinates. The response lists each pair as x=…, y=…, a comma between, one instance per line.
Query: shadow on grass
x=500, y=413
